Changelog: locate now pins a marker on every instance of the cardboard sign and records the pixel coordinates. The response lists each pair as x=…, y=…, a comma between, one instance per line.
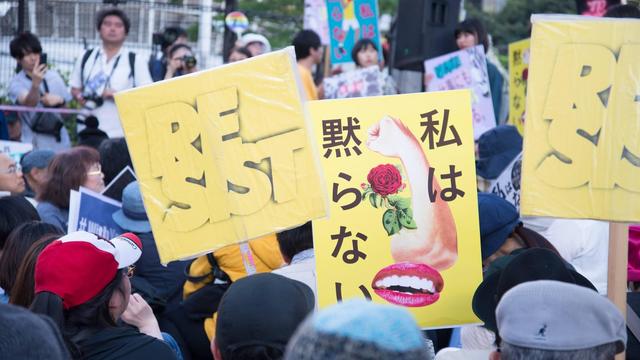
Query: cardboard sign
x=92, y=212
x=404, y=221
x=582, y=134
x=518, y=75
x=357, y=83
x=465, y=69
x=223, y=155
x=315, y=18
x=349, y=21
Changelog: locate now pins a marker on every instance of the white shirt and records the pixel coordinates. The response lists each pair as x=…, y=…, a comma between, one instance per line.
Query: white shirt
x=115, y=73
x=302, y=268
x=582, y=243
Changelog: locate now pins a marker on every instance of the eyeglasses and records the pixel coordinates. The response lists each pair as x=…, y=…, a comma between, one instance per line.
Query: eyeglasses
x=12, y=169
x=95, y=172
x=131, y=271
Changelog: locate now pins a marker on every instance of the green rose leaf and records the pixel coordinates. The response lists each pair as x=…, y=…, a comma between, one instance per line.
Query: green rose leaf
x=403, y=203
x=373, y=199
x=390, y=222
x=406, y=220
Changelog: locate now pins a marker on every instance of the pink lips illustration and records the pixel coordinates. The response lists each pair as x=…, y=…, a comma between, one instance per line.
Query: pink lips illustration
x=408, y=284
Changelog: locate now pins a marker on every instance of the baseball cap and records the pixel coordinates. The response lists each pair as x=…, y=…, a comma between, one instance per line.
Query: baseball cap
x=36, y=159
x=261, y=310
x=78, y=266
x=498, y=219
x=553, y=315
x=496, y=149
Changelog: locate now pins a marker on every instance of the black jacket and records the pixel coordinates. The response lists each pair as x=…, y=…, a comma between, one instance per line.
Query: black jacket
x=124, y=343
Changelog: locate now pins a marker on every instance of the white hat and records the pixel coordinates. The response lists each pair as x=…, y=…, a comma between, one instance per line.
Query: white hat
x=251, y=38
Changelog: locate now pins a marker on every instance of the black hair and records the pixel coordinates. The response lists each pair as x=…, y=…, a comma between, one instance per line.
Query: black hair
x=102, y=14
x=18, y=243
x=170, y=35
x=296, y=240
x=304, y=41
x=114, y=156
x=79, y=322
x=623, y=11
x=14, y=211
x=242, y=50
x=360, y=45
x=255, y=352
x=475, y=27
x=24, y=44
x=177, y=47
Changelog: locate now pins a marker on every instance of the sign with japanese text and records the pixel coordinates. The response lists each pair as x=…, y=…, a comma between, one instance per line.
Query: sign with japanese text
x=465, y=69
x=315, y=18
x=401, y=180
x=507, y=185
x=518, y=74
x=582, y=134
x=223, y=155
x=357, y=83
x=350, y=21
x=92, y=212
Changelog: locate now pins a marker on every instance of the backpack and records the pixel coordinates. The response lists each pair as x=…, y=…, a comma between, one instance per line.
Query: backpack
x=132, y=63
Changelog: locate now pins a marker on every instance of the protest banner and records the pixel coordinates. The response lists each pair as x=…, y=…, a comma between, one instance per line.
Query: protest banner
x=315, y=18
x=349, y=21
x=403, y=228
x=357, y=83
x=15, y=149
x=465, y=69
x=582, y=134
x=92, y=212
x=223, y=155
x=114, y=189
x=582, y=143
x=507, y=185
x=518, y=74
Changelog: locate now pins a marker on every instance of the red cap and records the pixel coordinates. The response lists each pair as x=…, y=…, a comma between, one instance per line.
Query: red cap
x=78, y=266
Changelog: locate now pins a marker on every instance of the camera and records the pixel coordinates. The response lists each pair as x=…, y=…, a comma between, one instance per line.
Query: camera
x=189, y=61
x=93, y=101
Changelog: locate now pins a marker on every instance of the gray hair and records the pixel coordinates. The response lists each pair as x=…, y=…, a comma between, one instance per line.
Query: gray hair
x=601, y=352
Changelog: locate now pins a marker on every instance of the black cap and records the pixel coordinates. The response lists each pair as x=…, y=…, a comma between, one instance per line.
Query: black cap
x=519, y=267
x=261, y=310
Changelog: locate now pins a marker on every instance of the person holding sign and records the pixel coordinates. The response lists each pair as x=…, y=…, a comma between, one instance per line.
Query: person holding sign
x=68, y=171
x=365, y=53
x=470, y=33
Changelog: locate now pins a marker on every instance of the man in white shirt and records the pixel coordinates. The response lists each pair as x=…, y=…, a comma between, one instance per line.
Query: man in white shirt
x=101, y=72
x=296, y=246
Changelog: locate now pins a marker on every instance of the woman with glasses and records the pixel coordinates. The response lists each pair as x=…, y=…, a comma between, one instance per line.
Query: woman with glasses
x=68, y=171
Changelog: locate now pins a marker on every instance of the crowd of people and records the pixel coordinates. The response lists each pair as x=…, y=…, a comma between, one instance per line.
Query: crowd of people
x=76, y=296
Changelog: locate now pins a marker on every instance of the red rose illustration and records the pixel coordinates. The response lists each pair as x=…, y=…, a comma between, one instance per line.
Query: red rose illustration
x=385, y=179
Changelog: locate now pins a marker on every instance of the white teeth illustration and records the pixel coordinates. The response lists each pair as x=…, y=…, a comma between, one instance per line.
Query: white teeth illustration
x=406, y=281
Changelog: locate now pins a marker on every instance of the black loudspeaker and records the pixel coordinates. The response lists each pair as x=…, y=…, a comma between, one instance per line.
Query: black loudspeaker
x=423, y=29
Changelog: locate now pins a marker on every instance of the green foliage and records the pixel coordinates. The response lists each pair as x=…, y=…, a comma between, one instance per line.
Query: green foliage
x=279, y=20
x=512, y=23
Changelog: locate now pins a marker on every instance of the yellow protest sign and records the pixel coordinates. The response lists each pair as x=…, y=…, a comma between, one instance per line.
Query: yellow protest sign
x=223, y=155
x=403, y=225
x=582, y=134
x=518, y=74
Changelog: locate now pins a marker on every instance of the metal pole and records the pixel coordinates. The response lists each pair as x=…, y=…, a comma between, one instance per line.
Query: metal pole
x=204, y=32
x=229, y=36
x=21, y=14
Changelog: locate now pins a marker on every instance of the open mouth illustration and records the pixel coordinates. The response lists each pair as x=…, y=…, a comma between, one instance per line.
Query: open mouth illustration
x=408, y=284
